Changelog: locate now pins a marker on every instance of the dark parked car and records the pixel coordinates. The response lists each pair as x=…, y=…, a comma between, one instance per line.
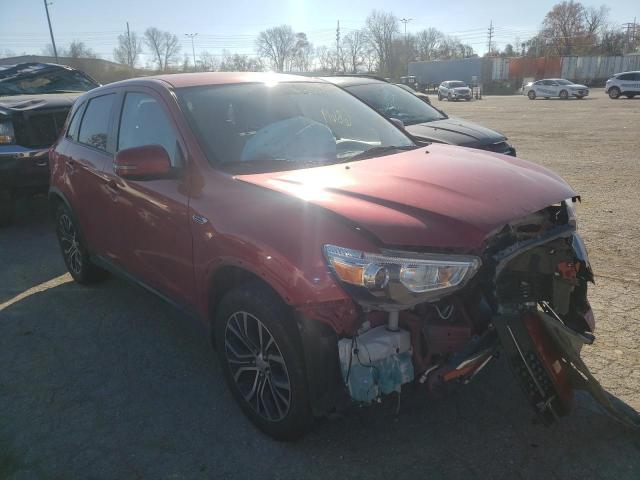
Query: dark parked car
x=422, y=96
x=424, y=122
x=331, y=258
x=34, y=101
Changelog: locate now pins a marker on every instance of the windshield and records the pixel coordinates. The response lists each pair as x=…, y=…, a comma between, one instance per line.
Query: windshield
x=564, y=82
x=41, y=79
x=457, y=84
x=393, y=102
x=294, y=123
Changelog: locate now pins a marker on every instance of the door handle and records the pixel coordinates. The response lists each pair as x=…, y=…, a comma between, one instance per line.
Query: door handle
x=113, y=188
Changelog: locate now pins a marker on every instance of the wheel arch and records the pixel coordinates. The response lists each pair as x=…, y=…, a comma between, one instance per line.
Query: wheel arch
x=318, y=340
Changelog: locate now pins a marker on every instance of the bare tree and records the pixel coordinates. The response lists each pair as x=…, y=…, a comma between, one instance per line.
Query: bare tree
x=78, y=49
x=303, y=54
x=428, y=42
x=208, y=62
x=563, y=25
x=277, y=45
x=128, y=50
x=354, y=49
x=382, y=28
x=164, y=46
x=240, y=63
x=595, y=19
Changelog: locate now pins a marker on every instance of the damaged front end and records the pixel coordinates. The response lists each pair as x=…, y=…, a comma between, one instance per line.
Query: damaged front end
x=433, y=318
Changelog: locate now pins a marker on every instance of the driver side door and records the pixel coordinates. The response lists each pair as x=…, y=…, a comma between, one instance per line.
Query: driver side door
x=152, y=213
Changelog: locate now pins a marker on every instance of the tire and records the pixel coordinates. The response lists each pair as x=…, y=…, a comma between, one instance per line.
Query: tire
x=439, y=97
x=614, y=93
x=531, y=94
x=563, y=94
x=579, y=97
x=74, y=252
x=7, y=208
x=629, y=95
x=252, y=368
x=449, y=96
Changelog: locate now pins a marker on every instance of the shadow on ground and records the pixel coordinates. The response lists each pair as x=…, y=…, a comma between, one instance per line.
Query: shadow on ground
x=110, y=382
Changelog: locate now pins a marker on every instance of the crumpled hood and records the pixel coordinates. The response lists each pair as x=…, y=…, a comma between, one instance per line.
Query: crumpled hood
x=442, y=197
x=19, y=103
x=455, y=131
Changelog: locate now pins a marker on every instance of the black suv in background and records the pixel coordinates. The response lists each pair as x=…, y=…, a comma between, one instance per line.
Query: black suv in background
x=34, y=101
x=420, y=119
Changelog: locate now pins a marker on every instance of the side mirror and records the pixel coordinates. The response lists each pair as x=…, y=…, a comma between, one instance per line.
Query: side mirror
x=397, y=122
x=143, y=163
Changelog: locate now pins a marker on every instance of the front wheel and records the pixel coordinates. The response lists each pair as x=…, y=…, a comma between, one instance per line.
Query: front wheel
x=614, y=93
x=579, y=97
x=74, y=252
x=531, y=95
x=629, y=95
x=260, y=352
x=439, y=97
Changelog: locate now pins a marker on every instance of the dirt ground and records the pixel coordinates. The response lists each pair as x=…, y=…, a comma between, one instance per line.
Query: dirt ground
x=111, y=382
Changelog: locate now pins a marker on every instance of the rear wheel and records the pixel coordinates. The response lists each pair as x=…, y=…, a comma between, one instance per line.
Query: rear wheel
x=7, y=207
x=74, y=252
x=261, y=356
x=629, y=95
x=614, y=93
x=579, y=97
x=564, y=94
x=531, y=95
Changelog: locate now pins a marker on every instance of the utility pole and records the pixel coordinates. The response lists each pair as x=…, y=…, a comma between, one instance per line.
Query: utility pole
x=631, y=35
x=193, y=48
x=53, y=42
x=338, y=47
x=405, y=21
x=490, y=32
x=129, y=48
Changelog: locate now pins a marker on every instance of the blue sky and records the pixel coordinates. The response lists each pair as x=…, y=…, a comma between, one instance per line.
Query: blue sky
x=233, y=24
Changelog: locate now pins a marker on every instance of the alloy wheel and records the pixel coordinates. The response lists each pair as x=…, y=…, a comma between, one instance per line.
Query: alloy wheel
x=257, y=366
x=70, y=243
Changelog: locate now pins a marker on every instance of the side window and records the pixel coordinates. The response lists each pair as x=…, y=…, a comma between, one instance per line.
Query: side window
x=72, y=131
x=626, y=76
x=144, y=122
x=636, y=76
x=94, y=130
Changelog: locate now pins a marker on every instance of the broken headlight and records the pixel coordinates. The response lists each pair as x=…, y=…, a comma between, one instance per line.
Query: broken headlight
x=401, y=278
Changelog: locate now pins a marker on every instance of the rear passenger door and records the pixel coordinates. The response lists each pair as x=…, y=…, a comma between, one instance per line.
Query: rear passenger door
x=152, y=214
x=88, y=148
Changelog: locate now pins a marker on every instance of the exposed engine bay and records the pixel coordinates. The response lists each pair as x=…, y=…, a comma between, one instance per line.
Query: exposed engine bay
x=527, y=300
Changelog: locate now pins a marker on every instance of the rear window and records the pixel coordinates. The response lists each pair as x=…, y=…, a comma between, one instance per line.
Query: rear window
x=72, y=131
x=94, y=130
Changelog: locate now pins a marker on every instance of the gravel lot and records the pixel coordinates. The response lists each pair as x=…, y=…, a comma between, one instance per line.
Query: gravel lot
x=110, y=382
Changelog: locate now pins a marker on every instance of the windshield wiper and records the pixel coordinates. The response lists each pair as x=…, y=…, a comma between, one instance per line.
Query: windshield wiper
x=379, y=151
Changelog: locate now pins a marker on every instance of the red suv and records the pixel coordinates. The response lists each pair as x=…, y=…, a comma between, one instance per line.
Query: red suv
x=333, y=259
